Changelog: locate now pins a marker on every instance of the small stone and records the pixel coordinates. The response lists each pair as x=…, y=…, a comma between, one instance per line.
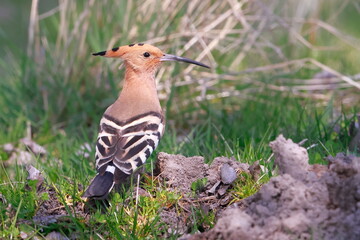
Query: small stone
x=222, y=190
x=34, y=174
x=21, y=158
x=34, y=147
x=8, y=147
x=212, y=190
x=228, y=174
x=23, y=235
x=55, y=236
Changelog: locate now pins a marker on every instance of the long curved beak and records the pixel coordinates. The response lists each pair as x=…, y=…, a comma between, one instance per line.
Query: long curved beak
x=169, y=57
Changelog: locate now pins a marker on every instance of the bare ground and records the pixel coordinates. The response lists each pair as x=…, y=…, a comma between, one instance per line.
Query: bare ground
x=303, y=202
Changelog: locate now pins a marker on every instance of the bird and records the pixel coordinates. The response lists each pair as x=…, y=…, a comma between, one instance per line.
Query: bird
x=131, y=128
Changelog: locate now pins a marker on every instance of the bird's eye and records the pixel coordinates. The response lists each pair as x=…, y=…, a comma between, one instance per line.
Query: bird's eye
x=146, y=54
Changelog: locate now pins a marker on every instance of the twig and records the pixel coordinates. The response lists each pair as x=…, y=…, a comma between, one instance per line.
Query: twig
x=332, y=71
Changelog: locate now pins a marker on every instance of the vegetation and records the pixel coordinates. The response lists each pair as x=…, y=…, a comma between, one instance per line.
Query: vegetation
x=277, y=67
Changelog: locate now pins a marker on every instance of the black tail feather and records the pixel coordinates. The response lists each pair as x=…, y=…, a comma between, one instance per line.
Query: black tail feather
x=100, y=186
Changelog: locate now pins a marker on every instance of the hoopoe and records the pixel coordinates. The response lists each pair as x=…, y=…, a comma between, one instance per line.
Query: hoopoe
x=132, y=126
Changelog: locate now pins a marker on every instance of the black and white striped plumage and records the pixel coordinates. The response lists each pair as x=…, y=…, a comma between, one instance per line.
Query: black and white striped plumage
x=123, y=146
x=132, y=126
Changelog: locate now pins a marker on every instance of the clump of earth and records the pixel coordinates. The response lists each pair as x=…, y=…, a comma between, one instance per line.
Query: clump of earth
x=185, y=175
x=304, y=202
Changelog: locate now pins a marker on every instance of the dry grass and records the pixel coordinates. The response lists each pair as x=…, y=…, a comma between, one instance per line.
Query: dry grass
x=243, y=41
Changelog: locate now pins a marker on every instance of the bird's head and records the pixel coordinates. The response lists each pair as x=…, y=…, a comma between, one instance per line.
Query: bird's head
x=143, y=57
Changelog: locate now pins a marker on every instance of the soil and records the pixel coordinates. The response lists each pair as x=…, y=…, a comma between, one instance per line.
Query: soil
x=303, y=202
x=52, y=210
x=180, y=172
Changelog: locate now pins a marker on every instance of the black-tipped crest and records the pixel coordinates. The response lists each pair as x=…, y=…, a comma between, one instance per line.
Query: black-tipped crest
x=99, y=53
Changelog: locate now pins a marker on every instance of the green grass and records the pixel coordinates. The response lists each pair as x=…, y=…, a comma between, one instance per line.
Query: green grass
x=60, y=91
x=127, y=220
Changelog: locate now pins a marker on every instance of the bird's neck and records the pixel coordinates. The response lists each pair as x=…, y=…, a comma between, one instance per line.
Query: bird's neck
x=138, y=96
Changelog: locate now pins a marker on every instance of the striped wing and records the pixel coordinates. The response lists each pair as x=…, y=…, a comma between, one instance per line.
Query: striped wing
x=126, y=145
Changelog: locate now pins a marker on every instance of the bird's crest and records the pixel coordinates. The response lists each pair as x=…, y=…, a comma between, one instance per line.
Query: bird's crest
x=119, y=52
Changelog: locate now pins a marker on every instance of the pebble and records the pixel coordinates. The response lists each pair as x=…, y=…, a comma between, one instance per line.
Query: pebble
x=228, y=174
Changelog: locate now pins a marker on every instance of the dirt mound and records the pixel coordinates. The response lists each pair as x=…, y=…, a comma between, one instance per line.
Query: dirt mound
x=303, y=202
x=179, y=171
x=185, y=175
